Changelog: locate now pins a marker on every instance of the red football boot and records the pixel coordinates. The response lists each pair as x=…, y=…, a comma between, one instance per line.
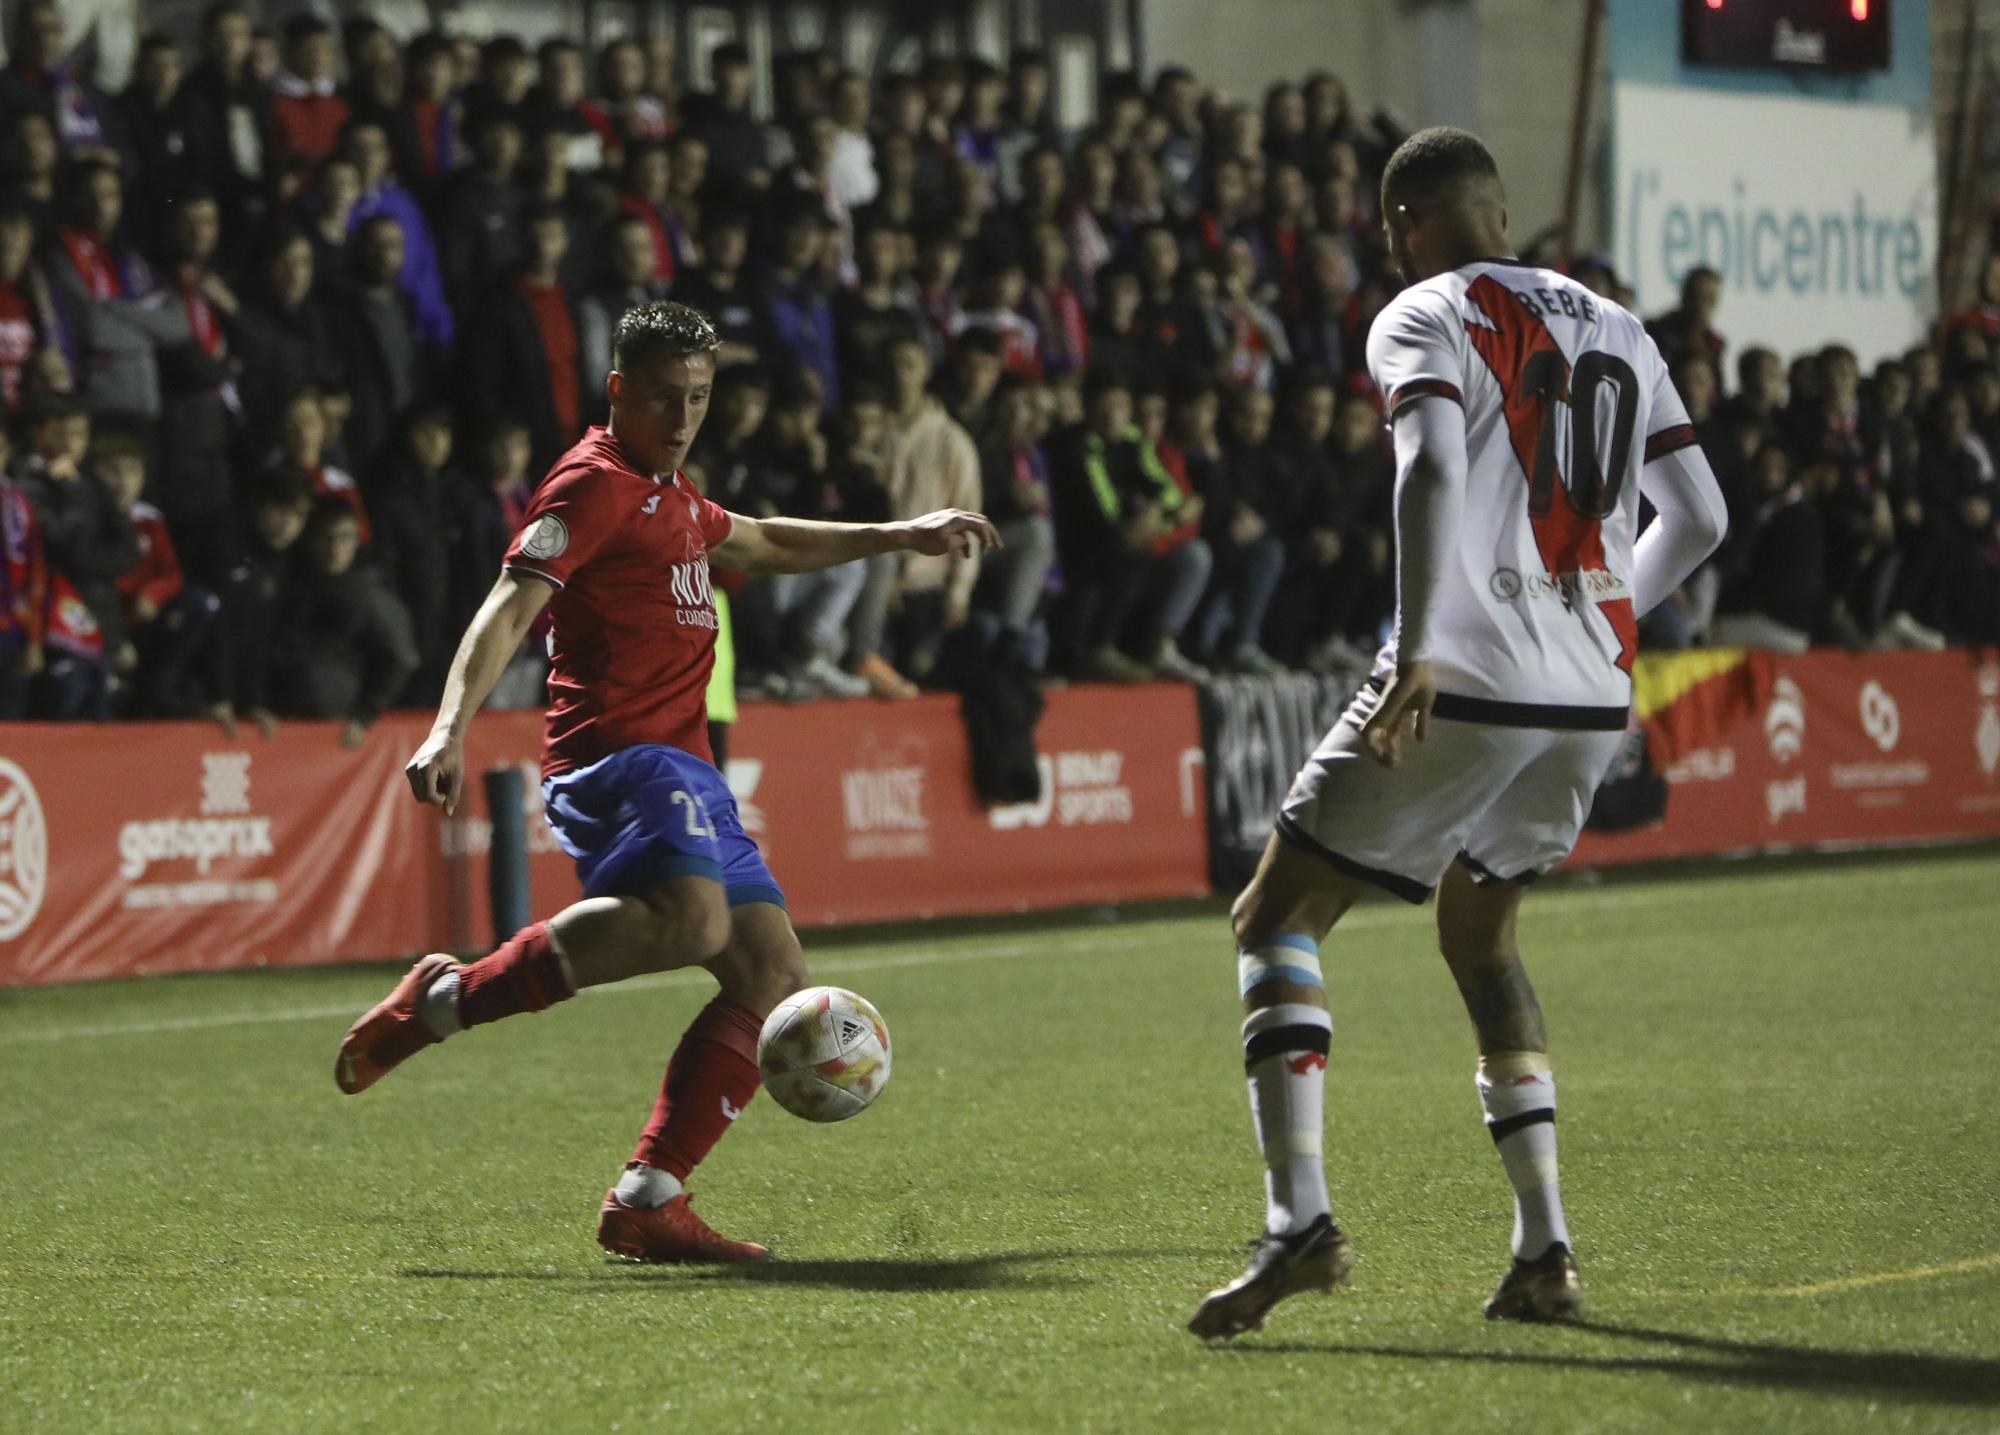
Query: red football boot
x=672, y=1232
x=391, y=1033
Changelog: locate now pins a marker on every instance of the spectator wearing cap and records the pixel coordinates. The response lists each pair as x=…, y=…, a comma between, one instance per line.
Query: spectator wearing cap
x=307, y=112
x=522, y=354
x=230, y=112
x=793, y=298
x=479, y=227
x=343, y=648
x=366, y=145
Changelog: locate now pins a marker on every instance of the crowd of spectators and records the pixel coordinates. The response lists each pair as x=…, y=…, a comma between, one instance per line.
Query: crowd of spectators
x=290, y=327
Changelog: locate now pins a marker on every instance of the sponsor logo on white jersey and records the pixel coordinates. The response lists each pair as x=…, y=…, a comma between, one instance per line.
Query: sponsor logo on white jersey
x=1590, y=585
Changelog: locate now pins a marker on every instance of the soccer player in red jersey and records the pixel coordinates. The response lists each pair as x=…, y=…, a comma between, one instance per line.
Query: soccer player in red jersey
x=617, y=544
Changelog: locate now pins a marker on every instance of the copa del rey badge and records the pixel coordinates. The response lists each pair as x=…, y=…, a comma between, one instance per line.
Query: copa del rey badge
x=546, y=538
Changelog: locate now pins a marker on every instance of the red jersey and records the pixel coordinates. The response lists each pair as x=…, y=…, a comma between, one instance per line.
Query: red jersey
x=634, y=634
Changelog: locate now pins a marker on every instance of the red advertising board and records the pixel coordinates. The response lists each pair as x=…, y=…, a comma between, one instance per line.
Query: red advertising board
x=166, y=847
x=1829, y=749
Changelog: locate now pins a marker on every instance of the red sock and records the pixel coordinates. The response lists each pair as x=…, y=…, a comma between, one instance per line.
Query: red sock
x=710, y=1080
x=524, y=974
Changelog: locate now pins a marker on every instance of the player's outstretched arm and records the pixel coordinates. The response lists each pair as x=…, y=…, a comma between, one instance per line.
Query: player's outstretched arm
x=437, y=770
x=1691, y=523
x=1430, y=498
x=800, y=545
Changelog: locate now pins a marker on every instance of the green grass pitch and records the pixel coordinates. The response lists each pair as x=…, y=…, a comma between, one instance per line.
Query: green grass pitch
x=1781, y=1157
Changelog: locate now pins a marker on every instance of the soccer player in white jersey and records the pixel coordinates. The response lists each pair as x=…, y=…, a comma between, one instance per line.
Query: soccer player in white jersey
x=1528, y=415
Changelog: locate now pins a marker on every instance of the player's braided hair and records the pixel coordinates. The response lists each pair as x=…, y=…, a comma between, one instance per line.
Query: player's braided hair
x=660, y=329
x=1431, y=159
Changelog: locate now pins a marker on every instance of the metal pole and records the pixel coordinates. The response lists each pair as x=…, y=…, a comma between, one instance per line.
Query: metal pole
x=1586, y=80
x=507, y=858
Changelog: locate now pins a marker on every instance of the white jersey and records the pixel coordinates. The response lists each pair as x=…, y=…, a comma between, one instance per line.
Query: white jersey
x=1566, y=398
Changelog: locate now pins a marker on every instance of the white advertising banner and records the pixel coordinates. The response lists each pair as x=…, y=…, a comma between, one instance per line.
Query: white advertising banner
x=1821, y=217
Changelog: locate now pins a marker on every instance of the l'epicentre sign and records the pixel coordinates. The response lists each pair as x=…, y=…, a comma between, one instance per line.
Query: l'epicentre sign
x=1820, y=216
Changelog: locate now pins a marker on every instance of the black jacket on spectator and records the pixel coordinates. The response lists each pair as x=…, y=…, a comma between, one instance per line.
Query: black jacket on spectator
x=385, y=363
x=281, y=351
x=343, y=646
x=253, y=594
x=230, y=128
x=506, y=371
x=88, y=540
x=478, y=236
x=411, y=518
x=738, y=317
x=1779, y=564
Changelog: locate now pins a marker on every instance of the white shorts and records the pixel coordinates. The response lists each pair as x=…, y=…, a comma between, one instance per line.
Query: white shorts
x=1509, y=801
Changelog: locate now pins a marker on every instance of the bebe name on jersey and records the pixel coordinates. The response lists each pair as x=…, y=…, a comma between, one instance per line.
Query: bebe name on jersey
x=1592, y=585
x=694, y=597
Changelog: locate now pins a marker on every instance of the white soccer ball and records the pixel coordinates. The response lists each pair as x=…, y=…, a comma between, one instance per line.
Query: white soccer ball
x=824, y=1053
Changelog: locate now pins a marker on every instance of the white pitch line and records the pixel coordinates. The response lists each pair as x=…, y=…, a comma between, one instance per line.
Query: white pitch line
x=1548, y=905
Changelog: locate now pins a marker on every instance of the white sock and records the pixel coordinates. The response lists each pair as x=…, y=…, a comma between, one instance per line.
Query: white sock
x=437, y=1008
x=1284, y=1054
x=646, y=1186
x=1518, y=1094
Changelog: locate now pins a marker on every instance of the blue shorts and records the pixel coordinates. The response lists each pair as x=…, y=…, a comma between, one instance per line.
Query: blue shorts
x=651, y=812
